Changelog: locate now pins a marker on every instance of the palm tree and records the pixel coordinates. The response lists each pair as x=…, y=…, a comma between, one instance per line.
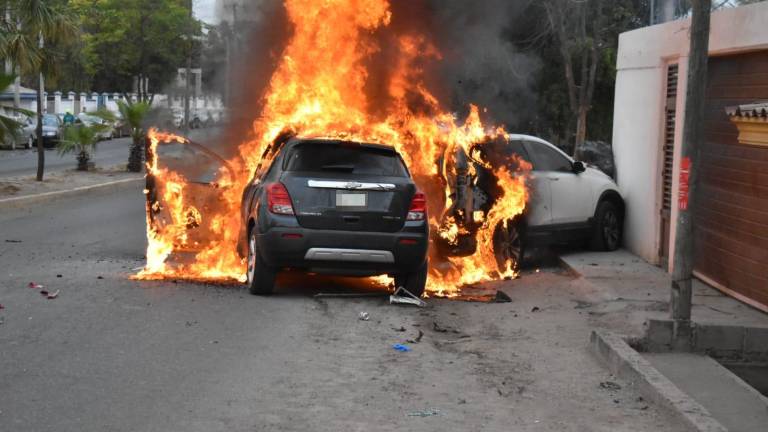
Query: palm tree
x=80, y=139
x=132, y=115
x=23, y=41
x=9, y=126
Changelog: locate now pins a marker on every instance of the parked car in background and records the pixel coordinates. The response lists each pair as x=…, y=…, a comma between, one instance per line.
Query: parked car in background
x=106, y=132
x=52, y=126
x=570, y=202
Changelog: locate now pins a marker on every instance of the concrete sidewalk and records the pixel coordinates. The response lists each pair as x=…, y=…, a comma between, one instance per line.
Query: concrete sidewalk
x=625, y=293
x=24, y=191
x=628, y=291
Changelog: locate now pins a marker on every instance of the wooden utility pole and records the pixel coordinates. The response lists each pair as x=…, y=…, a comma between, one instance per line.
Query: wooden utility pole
x=41, y=99
x=693, y=135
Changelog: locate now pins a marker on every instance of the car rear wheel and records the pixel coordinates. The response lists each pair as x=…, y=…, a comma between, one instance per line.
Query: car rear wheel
x=261, y=277
x=508, y=244
x=608, y=227
x=414, y=282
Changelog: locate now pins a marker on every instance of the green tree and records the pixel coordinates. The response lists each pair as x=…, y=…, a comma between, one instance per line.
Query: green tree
x=82, y=140
x=32, y=23
x=135, y=44
x=9, y=126
x=132, y=115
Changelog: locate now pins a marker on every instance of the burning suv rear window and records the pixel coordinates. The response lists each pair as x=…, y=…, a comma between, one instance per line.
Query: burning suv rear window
x=354, y=159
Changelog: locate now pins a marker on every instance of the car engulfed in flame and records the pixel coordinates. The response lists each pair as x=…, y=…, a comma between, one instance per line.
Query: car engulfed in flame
x=319, y=88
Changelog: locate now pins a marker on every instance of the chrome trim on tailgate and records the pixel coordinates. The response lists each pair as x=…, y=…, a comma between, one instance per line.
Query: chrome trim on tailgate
x=351, y=255
x=351, y=185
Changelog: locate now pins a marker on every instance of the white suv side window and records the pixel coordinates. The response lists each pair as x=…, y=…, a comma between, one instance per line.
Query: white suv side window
x=548, y=159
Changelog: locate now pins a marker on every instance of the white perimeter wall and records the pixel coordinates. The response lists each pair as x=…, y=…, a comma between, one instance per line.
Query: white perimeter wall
x=638, y=121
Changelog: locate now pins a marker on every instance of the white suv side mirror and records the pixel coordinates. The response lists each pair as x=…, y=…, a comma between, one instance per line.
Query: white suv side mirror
x=579, y=167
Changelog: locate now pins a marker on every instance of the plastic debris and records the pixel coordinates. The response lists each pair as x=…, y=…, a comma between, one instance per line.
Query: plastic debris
x=33, y=285
x=1, y=306
x=364, y=316
x=401, y=347
x=403, y=296
x=424, y=413
x=49, y=295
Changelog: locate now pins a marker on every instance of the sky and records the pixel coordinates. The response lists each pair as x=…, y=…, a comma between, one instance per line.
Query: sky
x=205, y=10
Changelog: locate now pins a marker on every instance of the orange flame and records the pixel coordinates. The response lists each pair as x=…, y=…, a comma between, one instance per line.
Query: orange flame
x=318, y=89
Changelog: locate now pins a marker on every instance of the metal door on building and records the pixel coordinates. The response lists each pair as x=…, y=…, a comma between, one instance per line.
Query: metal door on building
x=731, y=204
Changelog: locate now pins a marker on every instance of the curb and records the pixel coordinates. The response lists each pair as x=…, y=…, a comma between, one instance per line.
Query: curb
x=23, y=201
x=626, y=363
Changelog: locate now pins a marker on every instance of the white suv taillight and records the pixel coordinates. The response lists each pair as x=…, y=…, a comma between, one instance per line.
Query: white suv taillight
x=418, y=210
x=278, y=200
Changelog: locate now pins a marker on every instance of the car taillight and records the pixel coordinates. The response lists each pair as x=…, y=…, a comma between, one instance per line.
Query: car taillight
x=278, y=200
x=418, y=208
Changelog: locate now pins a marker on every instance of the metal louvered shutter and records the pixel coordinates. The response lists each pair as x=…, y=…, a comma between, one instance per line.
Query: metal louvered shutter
x=667, y=160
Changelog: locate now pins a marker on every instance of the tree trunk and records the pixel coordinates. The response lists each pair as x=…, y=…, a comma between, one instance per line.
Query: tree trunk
x=136, y=154
x=681, y=292
x=581, y=131
x=82, y=160
x=39, y=133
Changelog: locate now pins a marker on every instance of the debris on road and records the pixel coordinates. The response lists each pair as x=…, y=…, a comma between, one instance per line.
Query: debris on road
x=609, y=385
x=33, y=285
x=13, y=241
x=401, y=347
x=536, y=309
x=364, y=316
x=436, y=327
x=403, y=296
x=502, y=297
x=58, y=276
x=424, y=413
x=399, y=329
x=1, y=306
x=49, y=295
x=417, y=339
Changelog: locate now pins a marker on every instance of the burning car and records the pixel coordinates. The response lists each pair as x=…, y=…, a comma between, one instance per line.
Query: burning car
x=324, y=206
x=334, y=207
x=571, y=203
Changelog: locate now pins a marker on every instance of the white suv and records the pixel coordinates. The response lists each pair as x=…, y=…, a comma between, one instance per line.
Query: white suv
x=570, y=203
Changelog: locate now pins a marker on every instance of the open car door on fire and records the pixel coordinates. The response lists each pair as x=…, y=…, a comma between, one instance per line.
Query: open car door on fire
x=184, y=188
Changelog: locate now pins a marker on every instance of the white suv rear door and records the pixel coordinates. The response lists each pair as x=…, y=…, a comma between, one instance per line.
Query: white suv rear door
x=570, y=193
x=540, y=201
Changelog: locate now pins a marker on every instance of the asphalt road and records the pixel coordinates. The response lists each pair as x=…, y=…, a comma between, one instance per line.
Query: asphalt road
x=113, y=354
x=14, y=163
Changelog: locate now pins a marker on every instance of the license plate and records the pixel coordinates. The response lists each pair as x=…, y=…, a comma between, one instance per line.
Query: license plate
x=351, y=199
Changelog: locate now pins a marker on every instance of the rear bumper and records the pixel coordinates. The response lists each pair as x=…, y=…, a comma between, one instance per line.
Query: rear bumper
x=349, y=253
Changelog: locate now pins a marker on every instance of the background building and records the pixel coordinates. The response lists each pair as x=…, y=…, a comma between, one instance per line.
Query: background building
x=732, y=201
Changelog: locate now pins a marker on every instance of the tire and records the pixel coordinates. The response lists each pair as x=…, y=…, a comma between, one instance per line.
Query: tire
x=608, y=227
x=261, y=277
x=509, y=244
x=414, y=282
